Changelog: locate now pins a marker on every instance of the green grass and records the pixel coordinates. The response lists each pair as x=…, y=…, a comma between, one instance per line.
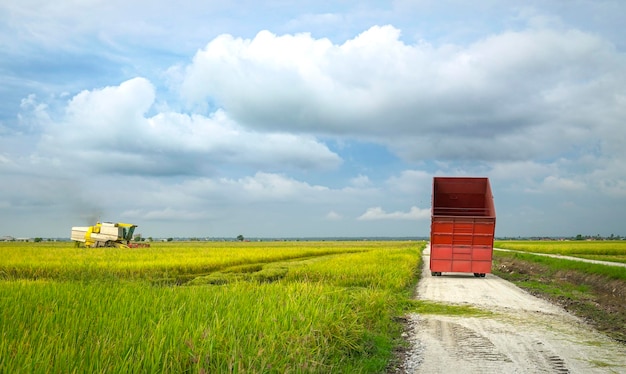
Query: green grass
x=612, y=258
x=204, y=307
x=571, y=291
x=431, y=307
x=556, y=264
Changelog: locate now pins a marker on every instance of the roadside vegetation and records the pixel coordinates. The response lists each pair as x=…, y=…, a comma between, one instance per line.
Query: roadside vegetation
x=205, y=307
x=432, y=307
x=593, y=292
x=603, y=250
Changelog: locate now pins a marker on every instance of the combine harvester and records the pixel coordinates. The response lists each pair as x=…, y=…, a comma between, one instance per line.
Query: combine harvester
x=106, y=234
x=462, y=226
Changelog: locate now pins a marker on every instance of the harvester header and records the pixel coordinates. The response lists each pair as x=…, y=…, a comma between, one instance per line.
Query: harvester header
x=106, y=234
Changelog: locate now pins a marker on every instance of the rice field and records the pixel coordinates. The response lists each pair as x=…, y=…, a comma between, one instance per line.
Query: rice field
x=204, y=307
x=605, y=250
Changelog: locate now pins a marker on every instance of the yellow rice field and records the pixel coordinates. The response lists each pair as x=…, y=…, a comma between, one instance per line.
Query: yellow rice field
x=207, y=307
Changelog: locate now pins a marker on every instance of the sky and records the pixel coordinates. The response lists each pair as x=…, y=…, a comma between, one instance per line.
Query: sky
x=310, y=118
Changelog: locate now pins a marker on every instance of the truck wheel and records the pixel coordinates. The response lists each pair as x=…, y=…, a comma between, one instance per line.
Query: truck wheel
x=477, y=275
x=482, y=275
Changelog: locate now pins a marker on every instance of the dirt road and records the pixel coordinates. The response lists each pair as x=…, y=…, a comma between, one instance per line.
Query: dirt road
x=607, y=263
x=524, y=335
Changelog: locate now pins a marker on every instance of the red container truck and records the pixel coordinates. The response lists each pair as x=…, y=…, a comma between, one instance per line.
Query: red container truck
x=462, y=226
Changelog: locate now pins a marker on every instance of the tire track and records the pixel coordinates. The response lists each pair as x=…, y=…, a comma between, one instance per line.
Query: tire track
x=524, y=335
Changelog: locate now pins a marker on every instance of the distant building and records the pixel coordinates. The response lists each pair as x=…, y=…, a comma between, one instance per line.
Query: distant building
x=7, y=238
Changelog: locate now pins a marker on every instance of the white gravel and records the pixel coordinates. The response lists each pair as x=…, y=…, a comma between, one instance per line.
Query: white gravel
x=524, y=335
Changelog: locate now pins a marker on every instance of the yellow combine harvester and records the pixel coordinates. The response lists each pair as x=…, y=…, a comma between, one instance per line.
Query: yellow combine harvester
x=106, y=234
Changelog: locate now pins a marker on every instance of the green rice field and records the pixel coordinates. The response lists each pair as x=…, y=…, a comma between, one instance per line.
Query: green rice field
x=204, y=307
x=603, y=250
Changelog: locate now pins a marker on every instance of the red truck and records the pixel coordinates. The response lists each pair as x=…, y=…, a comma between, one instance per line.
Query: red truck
x=463, y=221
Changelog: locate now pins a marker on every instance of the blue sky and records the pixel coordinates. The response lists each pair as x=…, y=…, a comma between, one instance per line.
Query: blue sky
x=310, y=118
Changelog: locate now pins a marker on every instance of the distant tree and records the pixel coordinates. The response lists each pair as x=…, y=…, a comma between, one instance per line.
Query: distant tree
x=240, y=237
x=170, y=239
x=37, y=240
x=579, y=237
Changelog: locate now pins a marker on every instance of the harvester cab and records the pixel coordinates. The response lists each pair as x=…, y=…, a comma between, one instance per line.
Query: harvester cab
x=106, y=234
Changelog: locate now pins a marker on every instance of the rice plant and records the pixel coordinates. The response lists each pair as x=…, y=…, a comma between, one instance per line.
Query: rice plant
x=606, y=250
x=280, y=307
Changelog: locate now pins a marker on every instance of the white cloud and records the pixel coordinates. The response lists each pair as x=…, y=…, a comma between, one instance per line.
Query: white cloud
x=260, y=188
x=361, y=181
x=378, y=213
x=563, y=184
x=254, y=202
x=166, y=214
x=521, y=170
x=108, y=129
x=279, y=133
x=333, y=216
x=271, y=187
x=5, y=161
x=411, y=182
x=608, y=177
x=509, y=96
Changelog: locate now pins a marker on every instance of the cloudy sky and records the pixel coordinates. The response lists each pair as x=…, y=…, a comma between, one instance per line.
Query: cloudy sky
x=310, y=118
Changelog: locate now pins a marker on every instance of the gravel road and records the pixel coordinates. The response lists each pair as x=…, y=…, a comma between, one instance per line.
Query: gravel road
x=607, y=263
x=523, y=335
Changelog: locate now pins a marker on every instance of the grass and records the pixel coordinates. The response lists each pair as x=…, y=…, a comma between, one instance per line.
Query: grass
x=609, y=250
x=204, y=307
x=610, y=272
x=431, y=307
